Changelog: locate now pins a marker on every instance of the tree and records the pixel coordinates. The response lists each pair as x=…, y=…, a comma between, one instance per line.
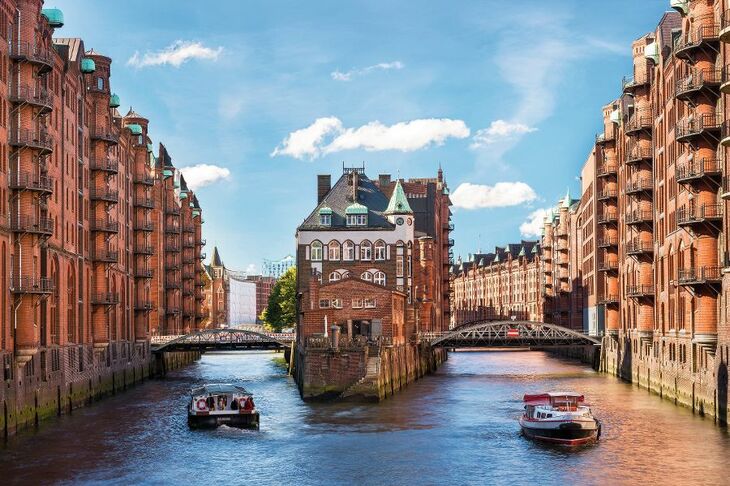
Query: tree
x=281, y=310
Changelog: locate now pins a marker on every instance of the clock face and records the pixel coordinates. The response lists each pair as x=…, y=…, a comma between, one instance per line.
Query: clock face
x=399, y=221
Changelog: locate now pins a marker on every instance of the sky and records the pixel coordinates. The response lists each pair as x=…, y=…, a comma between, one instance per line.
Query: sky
x=254, y=99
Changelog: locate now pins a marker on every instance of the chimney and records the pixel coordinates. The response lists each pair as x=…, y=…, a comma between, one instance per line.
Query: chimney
x=383, y=181
x=324, y=183
x=355, y=184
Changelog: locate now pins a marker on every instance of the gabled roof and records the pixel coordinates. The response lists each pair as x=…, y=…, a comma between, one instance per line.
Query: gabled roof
x=398, y=203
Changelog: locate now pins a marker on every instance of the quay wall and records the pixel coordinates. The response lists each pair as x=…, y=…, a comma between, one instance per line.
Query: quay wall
x=700, y=386
x=26, y=401
x=363, y=373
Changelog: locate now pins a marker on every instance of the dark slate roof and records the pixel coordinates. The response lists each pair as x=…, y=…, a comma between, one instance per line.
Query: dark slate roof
x=70, y=47
x=216, y=258
x=340, y=196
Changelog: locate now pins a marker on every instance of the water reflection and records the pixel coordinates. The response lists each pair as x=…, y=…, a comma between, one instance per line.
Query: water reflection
x=456, y=426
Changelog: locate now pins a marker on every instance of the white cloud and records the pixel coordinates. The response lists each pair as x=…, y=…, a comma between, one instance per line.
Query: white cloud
x=251, y=269
x=176, y=54
x=533, y=225
x=327, y=135
x=201, y=175
x=502, y=194
x=382, y=66
x=500, y=130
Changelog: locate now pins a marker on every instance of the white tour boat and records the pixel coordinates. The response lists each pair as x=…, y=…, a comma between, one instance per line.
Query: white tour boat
x=222, y=404
x=560, y=418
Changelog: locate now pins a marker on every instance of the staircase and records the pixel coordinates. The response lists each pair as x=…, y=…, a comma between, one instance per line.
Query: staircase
x=372, y=372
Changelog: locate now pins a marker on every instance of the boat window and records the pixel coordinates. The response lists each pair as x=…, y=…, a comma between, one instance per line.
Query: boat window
x=549, y=415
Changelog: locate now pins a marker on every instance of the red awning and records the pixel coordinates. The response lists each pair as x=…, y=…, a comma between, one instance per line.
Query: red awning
x=541, y=399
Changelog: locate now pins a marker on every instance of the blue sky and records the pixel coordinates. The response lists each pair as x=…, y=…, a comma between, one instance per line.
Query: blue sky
x=506, y=96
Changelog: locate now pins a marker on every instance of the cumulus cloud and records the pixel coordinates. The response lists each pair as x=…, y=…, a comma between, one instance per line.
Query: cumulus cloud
x=251, y=269
x=502, y=194
x=382, y=66
x=327, y=135
x=533, y=225
x=500, y=130
x=176, y=54
x=201, y=175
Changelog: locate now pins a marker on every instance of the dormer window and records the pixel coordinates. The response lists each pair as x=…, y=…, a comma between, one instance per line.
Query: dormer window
x=357, y=215
x=325, y=216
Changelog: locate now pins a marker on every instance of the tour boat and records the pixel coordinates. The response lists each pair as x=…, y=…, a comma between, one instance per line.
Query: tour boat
x=222, y=404
x=559, y=418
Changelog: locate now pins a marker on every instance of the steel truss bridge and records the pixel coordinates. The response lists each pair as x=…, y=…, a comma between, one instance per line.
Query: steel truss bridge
x=483, y=334
x=222, y=339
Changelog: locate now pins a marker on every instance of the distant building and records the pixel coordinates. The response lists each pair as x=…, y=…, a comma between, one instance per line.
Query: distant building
x=217, y=293
x=277, y=268
x=264, y=286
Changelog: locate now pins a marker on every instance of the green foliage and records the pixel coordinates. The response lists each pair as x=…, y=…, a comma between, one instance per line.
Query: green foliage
x=281, y=311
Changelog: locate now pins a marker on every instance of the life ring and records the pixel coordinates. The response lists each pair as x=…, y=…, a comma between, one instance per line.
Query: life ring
x=201, y=404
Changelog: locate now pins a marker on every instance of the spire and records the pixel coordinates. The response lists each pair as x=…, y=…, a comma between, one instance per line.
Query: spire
x=215, y=260
x=398, y=202
x=566, y=201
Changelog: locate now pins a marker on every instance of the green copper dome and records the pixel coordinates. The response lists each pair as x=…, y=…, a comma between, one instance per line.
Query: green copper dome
x=114, y=101
x=54, y=17
x=325, y=210
x=196, y=213
x=135, y=128
x=398, y=203
x=356, y=208
x=167, y=173
x=88, y=65
x=183, y=195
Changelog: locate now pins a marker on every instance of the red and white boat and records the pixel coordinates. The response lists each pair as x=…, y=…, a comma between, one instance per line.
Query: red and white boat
x=559, y=418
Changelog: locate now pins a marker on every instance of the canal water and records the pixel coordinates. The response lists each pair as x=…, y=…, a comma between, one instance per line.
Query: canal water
x=458, y=426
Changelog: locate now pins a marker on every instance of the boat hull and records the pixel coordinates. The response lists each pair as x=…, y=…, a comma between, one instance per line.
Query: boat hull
x=563, y=433
x=242, y=420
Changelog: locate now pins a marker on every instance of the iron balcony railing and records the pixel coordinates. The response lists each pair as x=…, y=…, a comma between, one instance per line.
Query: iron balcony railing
x=104, y=164
x=145, y=180
x=172, y=309
x=30, y=182
x=606, y=170
x=701, y=214
x=642, y=120
x=696, y=81
x=638, y=247
x=725, y=26
x=188, y=243
x=172, y=265
x=630, y=83
x=172, y=283
x=143, y=305
x=691, y=127
x=201, y=242
x=31, y=224
x=607, y=194
x=172, y=229
x=144, y=250
x=639, y=216
x=608, y=217
x=608, y=299
x=188, y=228
x=143, y=272
x=105, y=225
x=172, y=210
x=104, y=298
x=640, y=185
x=104, y=134
x=605, y=137
x=31, y=285
x=638, y=153
x=700, y=276
x=39, y=97
x=32, y=53
x=104, y=194
x=203, y=256
x=27, y=137
x=172, y=247
x=144, y=202
x=698, y=169
x=105, y=256
x=706, y=32
x=608, y=264
x=640, y=291
x=141, y=225
x=607, y=242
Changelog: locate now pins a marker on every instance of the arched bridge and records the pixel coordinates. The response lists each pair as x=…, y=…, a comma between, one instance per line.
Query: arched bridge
x=509, y=334
x=222, y=339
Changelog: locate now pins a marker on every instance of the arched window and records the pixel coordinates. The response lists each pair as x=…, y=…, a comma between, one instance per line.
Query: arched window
x=316, y=251
x=379, y=278
x=366, y=250
x=348, y=251
x=334, y=250
x=380, y=250
x=335, y=276
x=367, y=276
x=345, y=274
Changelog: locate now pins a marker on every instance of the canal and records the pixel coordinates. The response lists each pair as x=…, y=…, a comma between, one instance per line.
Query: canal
x=458, y=426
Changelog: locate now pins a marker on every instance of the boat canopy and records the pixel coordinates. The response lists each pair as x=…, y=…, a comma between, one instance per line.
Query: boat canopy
x=219, y=389
x=552, y=397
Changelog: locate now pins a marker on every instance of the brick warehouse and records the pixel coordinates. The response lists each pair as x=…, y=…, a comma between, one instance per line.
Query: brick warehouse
x=100, y=240
x=373, y=264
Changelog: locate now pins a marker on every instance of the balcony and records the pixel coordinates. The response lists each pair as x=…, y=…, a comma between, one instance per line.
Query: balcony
x=547, y=244
x=704, y=125
x=172, y=310
x=706, y=213
x=144, y=202
x=103, y=134
x=697, y=170
x=608, y=217
x=563, y=246
x=607, y=194
x=638, y=122
x=172, y=248
x=639, y=216
x=104, y=298
x=143, y=305
x=608, y=265
x=638, y=154
x=29, y=138
x=639, y=248
x=105, y=165
x=37, y=97
x=105, y=256
x=25, y=51
x=608, y=299
x=203, y=256
x=608, y=242
x=189, y=228
x=630, y=84
x=606, y=170
x=144, y=250
x=725, y=134
x=640, y=185
x=187, y=243
x=701, y=81
x=604, y=138
x=144, y=180
x=31, y=225
x=187, y=275
x=105, y=226
x=175, y=210
x=25, y=181
x=172, y=229
x=104, y=194
x=202, y=242
x=31, y=285
x=449, y=242
x=172, y=283
x=705, y=36
x=639, y=291
x=172, y=265
x=725, y=191
x=141, y=225
x=700, y=276
x=724, y=34
x=143, y=272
